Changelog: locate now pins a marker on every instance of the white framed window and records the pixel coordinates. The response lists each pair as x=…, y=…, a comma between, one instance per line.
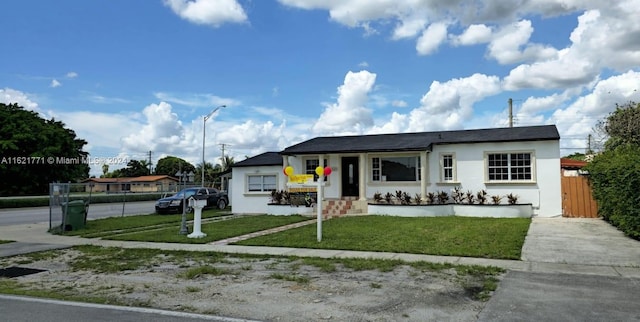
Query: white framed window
x=511, y=166
x=310, y=166
x=261, y=182
x=448, y=167
x=395, y=168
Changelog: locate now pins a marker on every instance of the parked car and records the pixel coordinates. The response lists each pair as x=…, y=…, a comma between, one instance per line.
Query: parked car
x=173, y=204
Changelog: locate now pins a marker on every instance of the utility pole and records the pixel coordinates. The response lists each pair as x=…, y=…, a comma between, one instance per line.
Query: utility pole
x=149, y=162
x=589, y=151
x=223, y=145
x=510, y=112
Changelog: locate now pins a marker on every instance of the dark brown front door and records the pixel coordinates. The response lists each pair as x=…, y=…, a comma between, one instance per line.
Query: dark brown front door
x=350, y=177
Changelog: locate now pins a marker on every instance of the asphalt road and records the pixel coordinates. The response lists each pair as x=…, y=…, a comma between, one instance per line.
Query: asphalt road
x=17, y=216
x=18, y=309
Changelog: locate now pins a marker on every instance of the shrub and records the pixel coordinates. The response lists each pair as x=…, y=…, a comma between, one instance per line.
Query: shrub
x=417, y=199
x=512, y=199
x=470, y=197
x=377, y=197
x=406, y=198
x=615, y=178
x=496, y=199
x=443, y=197
x=431, y=198
x=482, y=197
x=388, y=197
x=457, y=195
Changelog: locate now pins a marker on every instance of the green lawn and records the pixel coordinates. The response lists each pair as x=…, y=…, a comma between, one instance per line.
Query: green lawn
x=451, y=236
x=215, y=230
x=6, y=241
x=105, y=226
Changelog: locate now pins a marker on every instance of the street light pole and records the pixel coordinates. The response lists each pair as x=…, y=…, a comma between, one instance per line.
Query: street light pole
x=204, y=130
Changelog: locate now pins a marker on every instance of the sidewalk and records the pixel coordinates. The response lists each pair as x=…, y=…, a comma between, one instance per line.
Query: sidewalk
x=34, y=237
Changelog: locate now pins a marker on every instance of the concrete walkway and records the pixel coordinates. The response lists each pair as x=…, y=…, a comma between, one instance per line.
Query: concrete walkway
x=553, y=245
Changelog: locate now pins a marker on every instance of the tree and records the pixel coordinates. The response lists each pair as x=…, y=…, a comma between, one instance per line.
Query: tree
x=622, y=126
x=35, y=152
x=227, y=162
x=169, y=165
x=576, y=156
x=105, y=169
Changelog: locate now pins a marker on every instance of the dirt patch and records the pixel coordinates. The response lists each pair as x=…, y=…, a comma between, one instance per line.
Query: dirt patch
x=266, y=288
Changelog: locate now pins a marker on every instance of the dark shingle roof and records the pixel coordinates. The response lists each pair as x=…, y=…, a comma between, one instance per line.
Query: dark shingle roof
x=420, y=141
x=264, y=159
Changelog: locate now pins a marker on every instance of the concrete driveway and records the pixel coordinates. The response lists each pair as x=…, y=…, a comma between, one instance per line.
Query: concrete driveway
x=600, y=278
x=579, y=241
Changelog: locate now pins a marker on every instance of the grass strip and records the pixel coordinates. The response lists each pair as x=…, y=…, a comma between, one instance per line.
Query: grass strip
x=215, y=230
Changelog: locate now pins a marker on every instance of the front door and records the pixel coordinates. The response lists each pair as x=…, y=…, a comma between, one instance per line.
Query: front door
x=350, y=177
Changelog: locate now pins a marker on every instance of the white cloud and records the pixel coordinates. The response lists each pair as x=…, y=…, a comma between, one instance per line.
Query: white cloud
x=576, y=121
x=409, y=28
x=363, y=64
x=350, y=114
x=10, y=96
x=447, y=105
x=72, y=75
x=196, y=100
x=506, y=43
x=474, y=34
x=208, y=12
x=55, y=83
x=163, y=132
x=431, y=38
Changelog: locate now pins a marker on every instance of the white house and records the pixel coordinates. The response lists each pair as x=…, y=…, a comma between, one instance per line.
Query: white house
x=524, y=161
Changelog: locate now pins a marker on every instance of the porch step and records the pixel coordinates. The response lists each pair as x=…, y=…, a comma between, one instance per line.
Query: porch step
x=341, y=207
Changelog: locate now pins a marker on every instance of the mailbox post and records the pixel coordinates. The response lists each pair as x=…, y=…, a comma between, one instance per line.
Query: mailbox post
x=197, y=203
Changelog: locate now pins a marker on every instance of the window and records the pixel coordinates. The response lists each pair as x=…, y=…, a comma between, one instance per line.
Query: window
x=447, y=173
x=259, y=183
x=310, y=168
x=395, y=169
x=509, y=167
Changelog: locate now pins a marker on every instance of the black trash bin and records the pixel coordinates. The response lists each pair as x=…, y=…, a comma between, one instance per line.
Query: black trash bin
x=75, y=216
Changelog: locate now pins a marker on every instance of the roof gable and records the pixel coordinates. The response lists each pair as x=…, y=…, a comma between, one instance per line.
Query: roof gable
x=420, y=141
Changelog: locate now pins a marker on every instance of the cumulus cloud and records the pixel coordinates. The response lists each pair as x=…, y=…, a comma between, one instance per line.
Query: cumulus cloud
x=72, y=75
x=163, y=131
x=447, y=105
x=349, y=115
x=11, y=96
x=55, y=83
x=431, y=39
x=208, y=12
x=474, y=34
x=506, y=45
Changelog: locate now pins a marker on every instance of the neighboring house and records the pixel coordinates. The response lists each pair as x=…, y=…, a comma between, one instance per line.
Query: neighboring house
x=520, y=160
x=157, y=183
x=572, y=168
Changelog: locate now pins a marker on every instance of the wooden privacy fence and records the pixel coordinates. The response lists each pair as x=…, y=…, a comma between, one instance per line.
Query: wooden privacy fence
x=577, y=200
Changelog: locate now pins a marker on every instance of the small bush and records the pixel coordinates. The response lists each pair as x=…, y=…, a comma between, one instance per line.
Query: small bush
x=512, y=199
x=496, y=199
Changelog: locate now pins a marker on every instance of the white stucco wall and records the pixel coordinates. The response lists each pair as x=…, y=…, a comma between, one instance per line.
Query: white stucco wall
x=544, y=192
x=245, y=202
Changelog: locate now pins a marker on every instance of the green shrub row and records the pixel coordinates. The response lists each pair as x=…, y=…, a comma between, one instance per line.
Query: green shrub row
x=615, y=180
x=102, y=198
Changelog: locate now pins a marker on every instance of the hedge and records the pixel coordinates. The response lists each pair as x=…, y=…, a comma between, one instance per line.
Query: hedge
x=23, y=202
x=615, y=180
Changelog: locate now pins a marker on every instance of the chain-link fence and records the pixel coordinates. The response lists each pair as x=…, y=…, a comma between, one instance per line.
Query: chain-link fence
x=70, y=203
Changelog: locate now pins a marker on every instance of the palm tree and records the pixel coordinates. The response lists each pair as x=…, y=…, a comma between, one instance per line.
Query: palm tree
x=227, y=162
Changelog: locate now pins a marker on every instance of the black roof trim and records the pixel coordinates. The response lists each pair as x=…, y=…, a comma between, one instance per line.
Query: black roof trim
x=420, y=141
x=264, y=159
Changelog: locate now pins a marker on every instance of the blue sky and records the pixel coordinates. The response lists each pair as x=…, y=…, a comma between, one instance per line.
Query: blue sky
x=137, y=76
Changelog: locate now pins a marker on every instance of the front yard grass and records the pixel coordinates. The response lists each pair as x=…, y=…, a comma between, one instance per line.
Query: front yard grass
x=450, y=236
x=215, y=231
x=105, y=226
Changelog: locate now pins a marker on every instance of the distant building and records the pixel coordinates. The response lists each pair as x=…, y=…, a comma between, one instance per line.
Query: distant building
x=155, y=183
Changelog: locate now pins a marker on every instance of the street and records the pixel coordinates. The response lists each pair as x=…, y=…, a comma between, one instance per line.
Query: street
x=17, y=216
x=18, y=309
